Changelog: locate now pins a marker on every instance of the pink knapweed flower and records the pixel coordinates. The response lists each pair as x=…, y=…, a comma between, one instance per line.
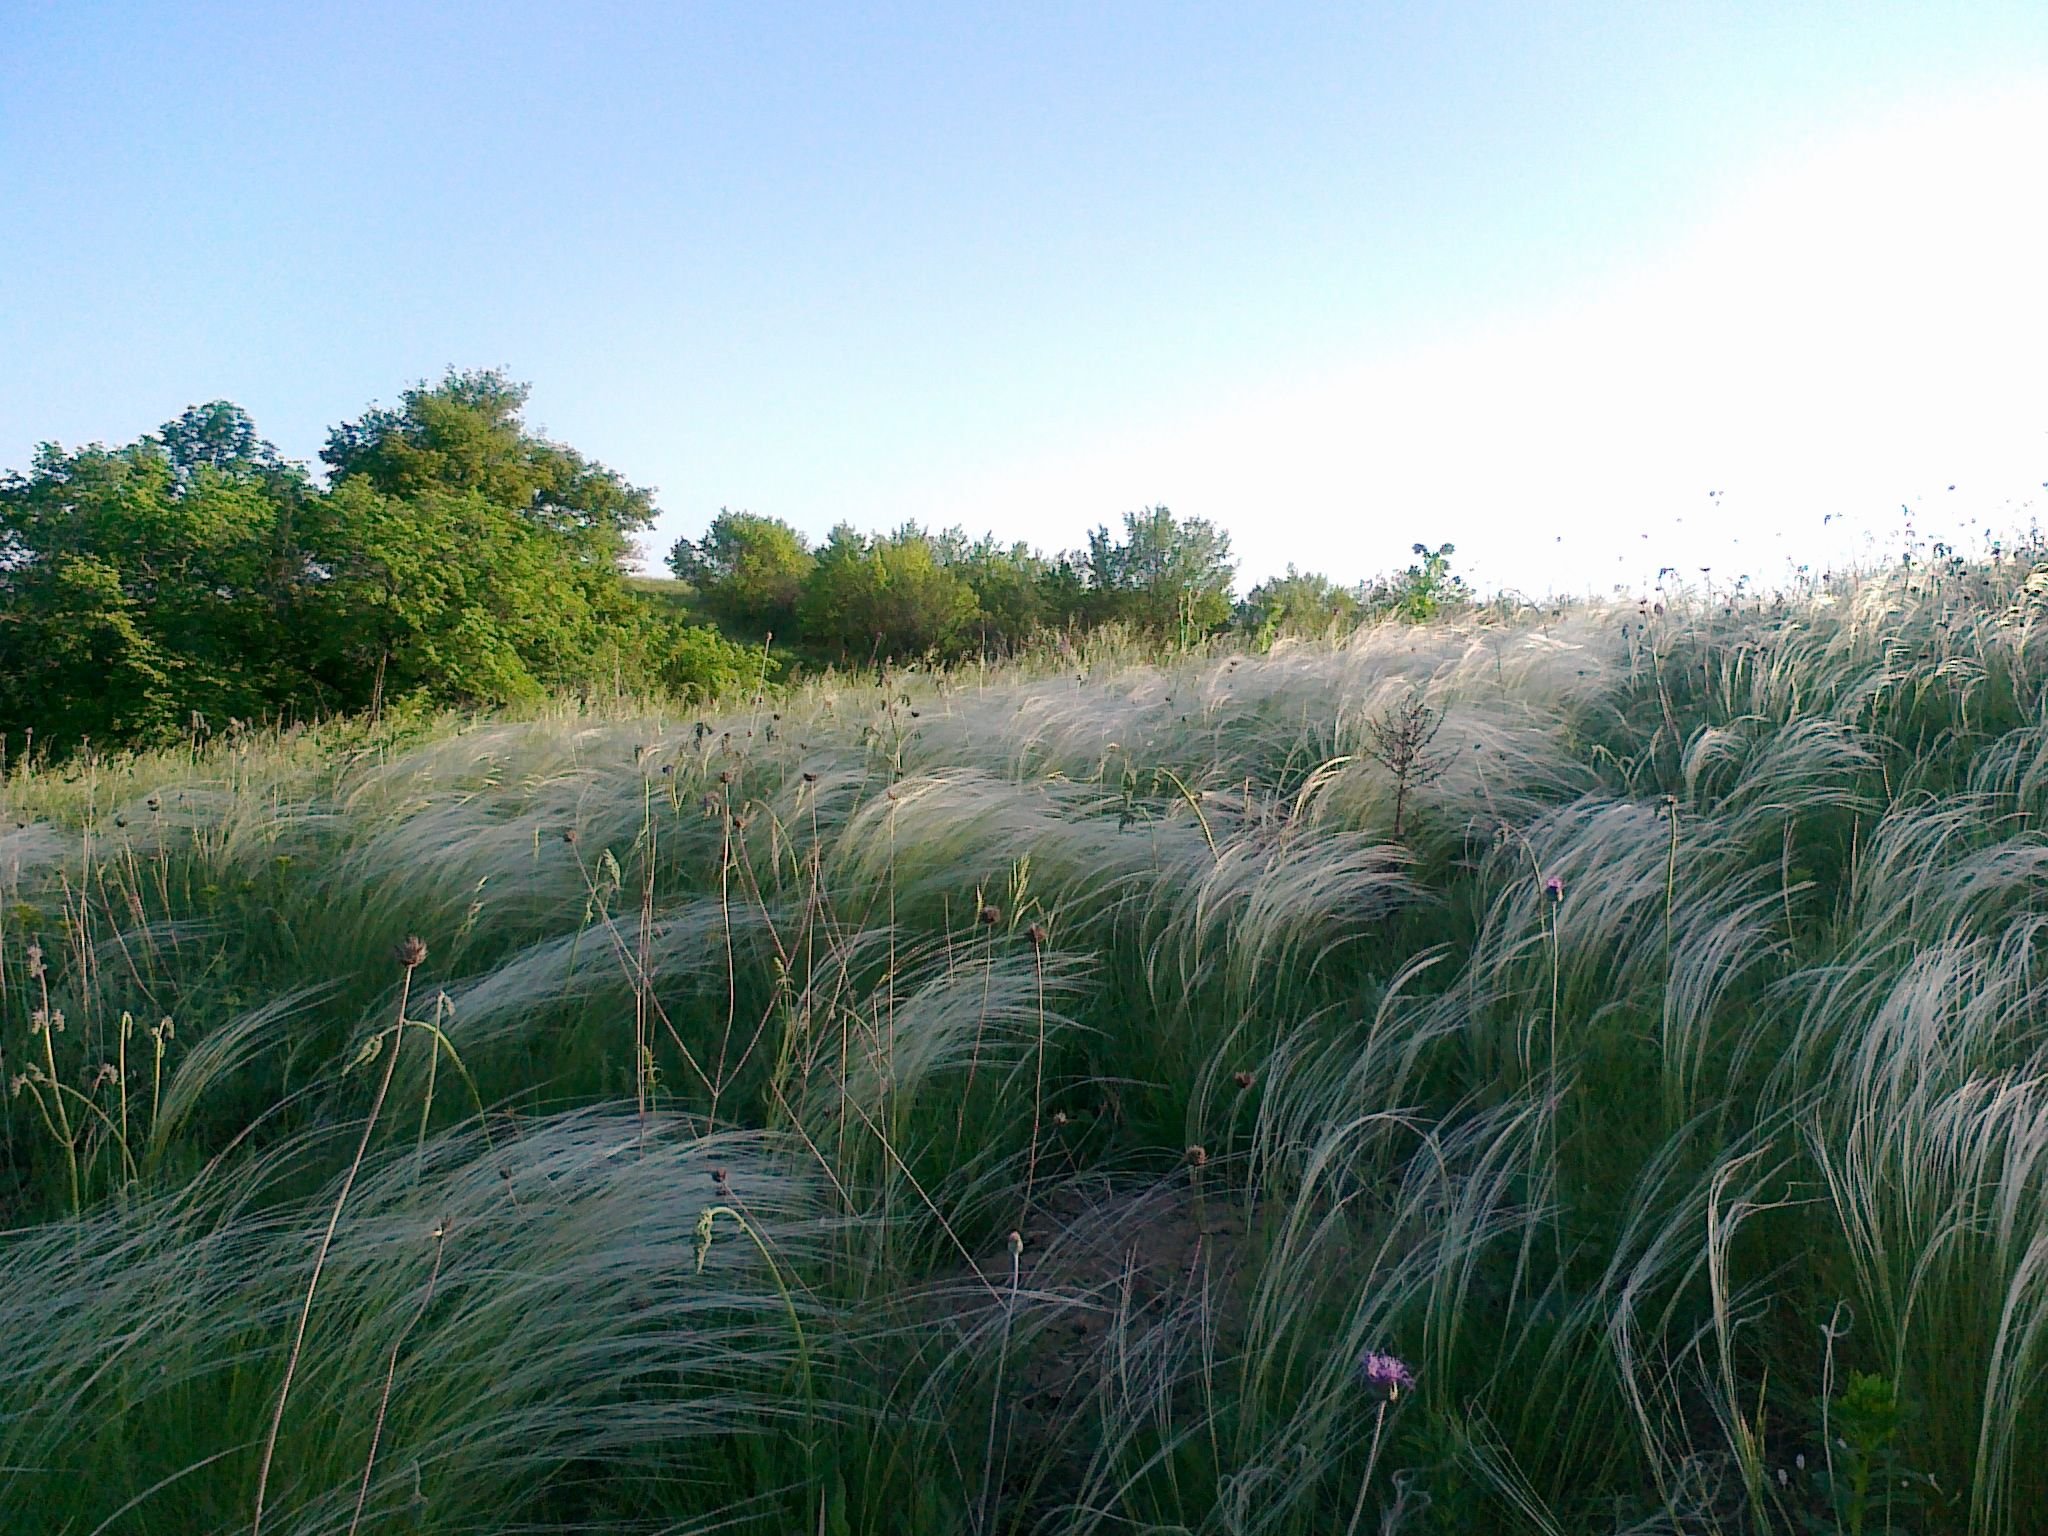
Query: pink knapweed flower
x=1386, y=1377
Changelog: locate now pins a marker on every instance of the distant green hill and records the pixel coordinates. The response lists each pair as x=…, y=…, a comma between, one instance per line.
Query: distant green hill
x=678, y=596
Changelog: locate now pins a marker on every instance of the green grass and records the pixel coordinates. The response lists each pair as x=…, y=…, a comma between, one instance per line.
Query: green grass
x=678, y=596
x=1710, y=1197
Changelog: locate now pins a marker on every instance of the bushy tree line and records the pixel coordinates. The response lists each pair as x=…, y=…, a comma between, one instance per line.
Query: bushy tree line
x=194, y=578
x=1310, y=603
x=914, y=591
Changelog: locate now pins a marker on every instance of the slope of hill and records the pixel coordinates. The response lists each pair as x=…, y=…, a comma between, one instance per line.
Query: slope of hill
x=1005, y=1102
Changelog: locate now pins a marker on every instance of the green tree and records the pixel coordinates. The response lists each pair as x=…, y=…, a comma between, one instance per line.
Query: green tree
x=1008, y=586
x=1172, y=575
x=1426, y=589
x=193, y=577
x=748, y=570
x=1300, y=602
x=138, y=592
x=890, y=596
x=464, y=559
x=443, y=597
x=694, y=661
x=1064, y=593
x=465, y=435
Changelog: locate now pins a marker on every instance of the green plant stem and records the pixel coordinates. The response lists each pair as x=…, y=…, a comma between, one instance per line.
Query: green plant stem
x=1372, y=1461
x=291, y=1364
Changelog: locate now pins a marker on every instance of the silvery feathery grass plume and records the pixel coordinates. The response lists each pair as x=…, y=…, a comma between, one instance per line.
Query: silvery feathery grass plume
x=1386, y=1377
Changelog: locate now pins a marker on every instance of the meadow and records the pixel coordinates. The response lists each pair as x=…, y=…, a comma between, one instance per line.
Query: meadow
x=1573, y=1071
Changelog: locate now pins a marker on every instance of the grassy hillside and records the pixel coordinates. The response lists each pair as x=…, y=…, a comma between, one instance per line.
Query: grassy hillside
x=674, y=595
x=1010, y=1102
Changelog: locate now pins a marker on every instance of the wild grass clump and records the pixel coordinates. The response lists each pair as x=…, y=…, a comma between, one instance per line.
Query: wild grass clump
x=1573, y=1072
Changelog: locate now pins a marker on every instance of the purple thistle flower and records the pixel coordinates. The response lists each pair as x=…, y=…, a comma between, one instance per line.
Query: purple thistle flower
x=1554, y=888
x=1386, y=1377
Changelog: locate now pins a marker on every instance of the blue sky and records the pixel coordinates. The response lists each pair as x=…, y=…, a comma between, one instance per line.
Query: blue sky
x=1534, y=278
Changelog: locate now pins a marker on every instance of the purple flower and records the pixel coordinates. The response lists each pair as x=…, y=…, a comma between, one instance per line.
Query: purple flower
x=1554, y=888
x=1386, y=1377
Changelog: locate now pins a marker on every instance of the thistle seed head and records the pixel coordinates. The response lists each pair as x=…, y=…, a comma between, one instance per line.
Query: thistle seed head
x=1385, y=1377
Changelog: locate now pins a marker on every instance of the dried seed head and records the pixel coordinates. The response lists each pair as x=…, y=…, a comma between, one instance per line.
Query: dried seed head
x=720, y=1177
x=1245, y=1079
x=411, y=952
x=990, y=916
x=35, y=958
x=1016, y=1243
x=725, y=776
x=1197, y=1156
x=810, y=777
x=569, y=836
x=1553, y=889
x=1036, y=934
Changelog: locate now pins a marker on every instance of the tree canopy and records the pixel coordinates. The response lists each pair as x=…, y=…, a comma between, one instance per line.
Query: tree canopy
x=889, y=596
x=1169, y=576
x=196, y=577
x=748, y=571
x=193, y=577
x=465, y=435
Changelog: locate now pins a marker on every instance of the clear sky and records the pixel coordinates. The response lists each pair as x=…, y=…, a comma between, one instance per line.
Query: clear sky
x=1534, y=278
